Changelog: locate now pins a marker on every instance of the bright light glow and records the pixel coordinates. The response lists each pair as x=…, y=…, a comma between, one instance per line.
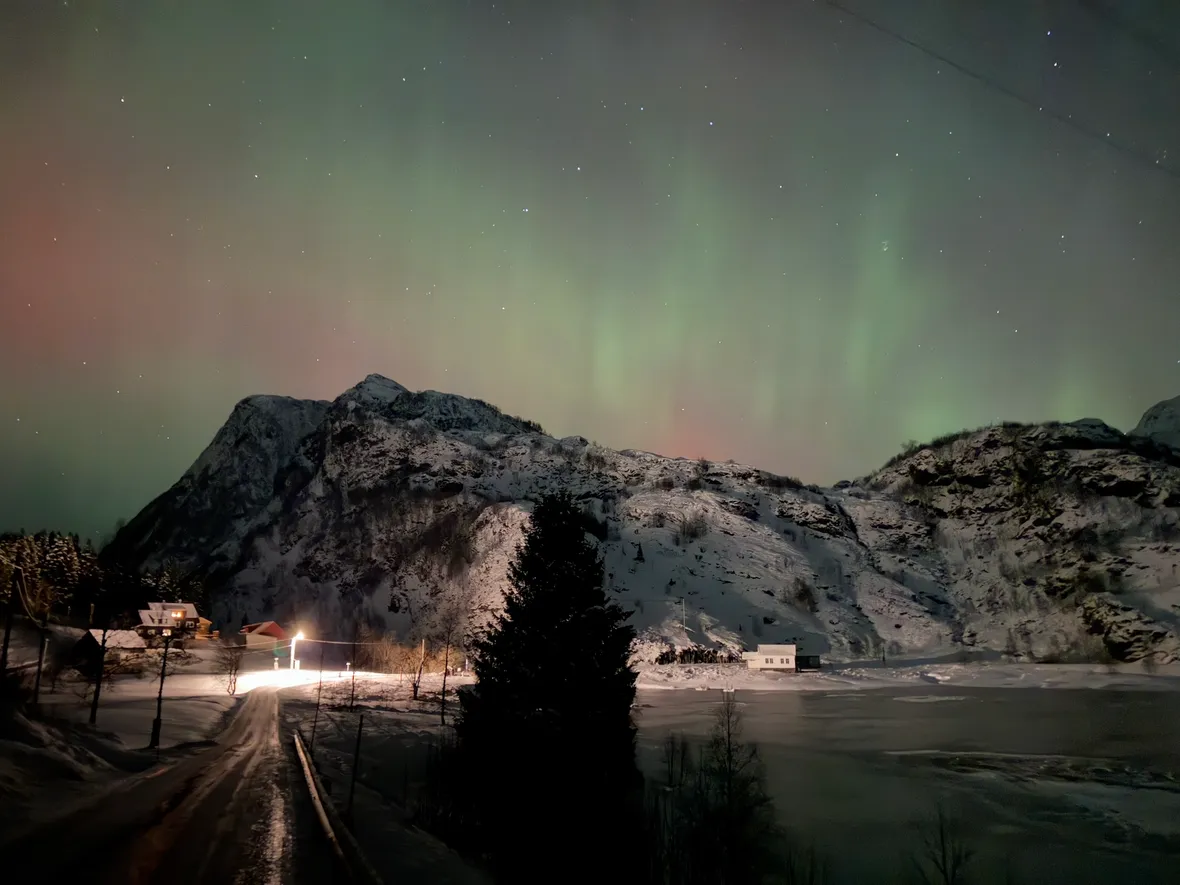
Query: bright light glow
x=294, y=639
x=286, y=678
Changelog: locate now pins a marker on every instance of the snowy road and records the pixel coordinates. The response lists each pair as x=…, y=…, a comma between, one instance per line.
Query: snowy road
x=235, y=813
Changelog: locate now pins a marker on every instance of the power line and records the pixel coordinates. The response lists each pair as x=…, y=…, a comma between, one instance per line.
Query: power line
x=987, y=81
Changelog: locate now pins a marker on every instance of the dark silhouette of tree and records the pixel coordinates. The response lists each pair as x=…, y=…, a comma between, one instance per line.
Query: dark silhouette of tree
x=548, y=721
x=711, y=819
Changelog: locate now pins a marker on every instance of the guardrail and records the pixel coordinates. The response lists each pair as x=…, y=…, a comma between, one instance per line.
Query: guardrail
x=343, y=843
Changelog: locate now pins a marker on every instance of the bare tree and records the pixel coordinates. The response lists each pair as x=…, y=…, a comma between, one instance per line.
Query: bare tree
x=111, y=665
x=449, y=625
x=712, y=818
x=419, y=665
x=378, y=652
x=229, y=663
x=945, y=853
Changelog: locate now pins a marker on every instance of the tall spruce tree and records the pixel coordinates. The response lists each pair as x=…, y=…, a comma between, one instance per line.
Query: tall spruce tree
x=546, y=731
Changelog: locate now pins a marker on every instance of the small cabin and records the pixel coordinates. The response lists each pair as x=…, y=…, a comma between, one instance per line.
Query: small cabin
x=785, y=656
x=772, y=657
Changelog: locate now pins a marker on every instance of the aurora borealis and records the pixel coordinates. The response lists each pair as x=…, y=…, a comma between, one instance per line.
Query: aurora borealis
x=758, y=230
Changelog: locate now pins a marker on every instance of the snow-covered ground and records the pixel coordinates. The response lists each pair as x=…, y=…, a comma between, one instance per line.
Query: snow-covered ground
x=396, y=733
x=192, y=708
x=59, y=758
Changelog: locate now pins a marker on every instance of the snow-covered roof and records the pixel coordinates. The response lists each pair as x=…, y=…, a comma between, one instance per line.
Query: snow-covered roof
x=781, y=649
x=120, y=639
x=190, y=610
x=163, y=614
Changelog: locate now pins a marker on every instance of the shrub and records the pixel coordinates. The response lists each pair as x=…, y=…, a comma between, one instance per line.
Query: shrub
x=774, y=481
x=692, y=525
x=595, y=460
x=803, y=596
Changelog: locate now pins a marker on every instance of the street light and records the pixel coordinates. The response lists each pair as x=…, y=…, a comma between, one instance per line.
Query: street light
x=295, y=639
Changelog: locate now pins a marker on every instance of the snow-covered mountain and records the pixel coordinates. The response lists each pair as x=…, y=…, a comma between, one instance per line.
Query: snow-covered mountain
x=1052, y=540
x=1161, y=422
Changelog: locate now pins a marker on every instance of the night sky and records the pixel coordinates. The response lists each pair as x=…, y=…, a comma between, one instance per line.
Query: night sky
x=765, y=231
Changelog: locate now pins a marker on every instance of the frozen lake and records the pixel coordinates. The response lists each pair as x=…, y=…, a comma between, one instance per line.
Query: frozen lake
x=1061, y=786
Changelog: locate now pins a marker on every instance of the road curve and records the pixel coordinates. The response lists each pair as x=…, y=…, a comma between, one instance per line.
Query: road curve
x=235, y=814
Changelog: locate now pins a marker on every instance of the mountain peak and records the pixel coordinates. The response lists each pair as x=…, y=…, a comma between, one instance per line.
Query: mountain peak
x=1161, y=423
x=379, y=388
x=375, y=392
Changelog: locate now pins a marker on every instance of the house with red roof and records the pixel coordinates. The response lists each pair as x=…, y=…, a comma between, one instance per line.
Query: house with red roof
x=264, y=634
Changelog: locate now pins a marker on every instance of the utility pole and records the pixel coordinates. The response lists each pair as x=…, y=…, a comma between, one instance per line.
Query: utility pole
x=356, y=632
x=442, y=709
x=102, y=664
x=154, y=744
x=40, y=663
x=19, y=572
x=8, y=610
x=356, y=760
x=319, y=693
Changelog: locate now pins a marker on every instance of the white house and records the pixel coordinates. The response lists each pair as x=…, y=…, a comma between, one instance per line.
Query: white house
x=175, y=620
x=771, y=657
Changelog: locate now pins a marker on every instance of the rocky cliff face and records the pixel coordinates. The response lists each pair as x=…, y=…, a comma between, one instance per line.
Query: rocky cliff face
x=1057, y=541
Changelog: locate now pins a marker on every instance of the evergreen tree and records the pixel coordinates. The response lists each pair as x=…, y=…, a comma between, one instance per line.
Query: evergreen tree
x=547, y=728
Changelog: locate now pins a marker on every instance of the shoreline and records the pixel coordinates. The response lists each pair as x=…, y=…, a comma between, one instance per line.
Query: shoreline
x=851, y=677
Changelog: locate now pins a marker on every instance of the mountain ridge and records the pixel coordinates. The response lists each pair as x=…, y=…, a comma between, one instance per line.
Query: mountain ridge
x=1052, y=540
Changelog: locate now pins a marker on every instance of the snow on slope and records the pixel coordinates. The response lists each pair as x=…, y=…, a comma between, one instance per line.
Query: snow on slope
x=230, y=486
x=1162, y=423
x=386, y=505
